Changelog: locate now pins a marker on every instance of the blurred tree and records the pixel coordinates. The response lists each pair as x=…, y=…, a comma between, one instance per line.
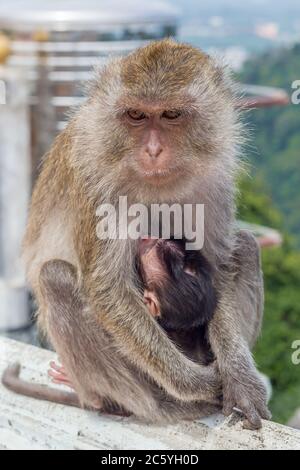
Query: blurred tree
x=276, y=154
x=281, y=266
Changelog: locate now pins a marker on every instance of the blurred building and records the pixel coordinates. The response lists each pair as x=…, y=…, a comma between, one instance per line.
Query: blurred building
x=50, y=48
x=56, y=43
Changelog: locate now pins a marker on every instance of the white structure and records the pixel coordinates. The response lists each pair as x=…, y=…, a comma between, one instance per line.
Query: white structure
x=15, y=169
x=66, y=14
x=54, y=45
x=26, y=423
x=58, y=42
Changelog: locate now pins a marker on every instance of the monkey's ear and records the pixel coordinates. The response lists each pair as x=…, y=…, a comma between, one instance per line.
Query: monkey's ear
x=151, y=302
x=223, y=74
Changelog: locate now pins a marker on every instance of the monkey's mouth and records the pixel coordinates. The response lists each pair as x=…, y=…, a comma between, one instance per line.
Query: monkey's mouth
x=160, y=174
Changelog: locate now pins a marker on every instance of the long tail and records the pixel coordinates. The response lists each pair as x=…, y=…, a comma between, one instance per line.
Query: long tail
x=11, y=380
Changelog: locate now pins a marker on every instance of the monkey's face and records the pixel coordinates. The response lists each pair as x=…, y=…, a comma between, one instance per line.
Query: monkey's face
x=157, y=133
x=160, y=118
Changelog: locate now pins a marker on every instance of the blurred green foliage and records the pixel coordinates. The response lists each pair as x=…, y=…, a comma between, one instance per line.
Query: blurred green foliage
x=281, y=266
x=276, y=149
x=272, y=197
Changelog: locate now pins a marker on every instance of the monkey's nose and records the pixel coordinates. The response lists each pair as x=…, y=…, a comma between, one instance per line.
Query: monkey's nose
x=154, y=151
x=153, y=147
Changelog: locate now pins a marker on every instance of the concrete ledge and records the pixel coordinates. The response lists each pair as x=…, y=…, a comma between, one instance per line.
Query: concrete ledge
x=31, y=424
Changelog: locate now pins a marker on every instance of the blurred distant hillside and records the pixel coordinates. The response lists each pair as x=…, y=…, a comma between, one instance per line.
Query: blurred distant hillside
x=254, y=26
x=259, y=9
x=281, y=325
x=276, y=154
x=273, y=198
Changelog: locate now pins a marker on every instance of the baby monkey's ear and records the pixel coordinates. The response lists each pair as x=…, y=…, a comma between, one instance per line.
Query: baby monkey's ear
x=151, y=301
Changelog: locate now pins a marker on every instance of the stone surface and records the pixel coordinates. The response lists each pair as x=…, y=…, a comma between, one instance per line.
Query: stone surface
x=31, y=424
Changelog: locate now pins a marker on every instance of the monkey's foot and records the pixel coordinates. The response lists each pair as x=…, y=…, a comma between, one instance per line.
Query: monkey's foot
x=248, y=395
x=59, y=375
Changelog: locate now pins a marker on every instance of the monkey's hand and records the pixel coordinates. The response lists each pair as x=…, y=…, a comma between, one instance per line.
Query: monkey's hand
x=246, y=392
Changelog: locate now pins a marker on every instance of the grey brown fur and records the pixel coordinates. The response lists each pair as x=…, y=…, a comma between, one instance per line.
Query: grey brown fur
x=94, y=161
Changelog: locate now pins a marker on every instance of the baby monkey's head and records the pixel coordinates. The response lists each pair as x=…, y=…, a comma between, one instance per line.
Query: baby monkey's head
x=177, y=283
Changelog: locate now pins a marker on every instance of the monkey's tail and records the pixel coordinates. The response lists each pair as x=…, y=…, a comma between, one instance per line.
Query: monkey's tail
x=11, y=380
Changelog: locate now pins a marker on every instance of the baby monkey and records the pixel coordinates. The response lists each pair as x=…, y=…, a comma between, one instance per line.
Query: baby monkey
x=177, y=288
x=177, y=284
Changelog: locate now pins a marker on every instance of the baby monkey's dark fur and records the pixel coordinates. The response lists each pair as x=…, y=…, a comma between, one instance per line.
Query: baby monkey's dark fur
x=186, y=295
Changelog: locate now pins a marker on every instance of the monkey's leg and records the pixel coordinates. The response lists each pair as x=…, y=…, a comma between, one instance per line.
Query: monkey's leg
x=233, y=331
x=249, y=286
x=166, y=410
x=250, y=299
x=80, y=344
x=62, y=301
x=93, y=364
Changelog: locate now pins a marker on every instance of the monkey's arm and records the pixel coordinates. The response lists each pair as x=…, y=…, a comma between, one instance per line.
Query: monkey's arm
x=234, y=329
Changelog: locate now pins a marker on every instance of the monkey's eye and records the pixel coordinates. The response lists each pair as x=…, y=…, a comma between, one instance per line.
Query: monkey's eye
x=171, y=114
x=136, y=115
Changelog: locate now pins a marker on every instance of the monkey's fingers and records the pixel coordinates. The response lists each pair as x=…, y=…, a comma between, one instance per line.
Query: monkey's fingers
x=58, y=375
x=228, y=407
x=58, y=368
x=252, y=417
x=254, y=410
x=264, y=412
x=59, y=379
x=252, y=426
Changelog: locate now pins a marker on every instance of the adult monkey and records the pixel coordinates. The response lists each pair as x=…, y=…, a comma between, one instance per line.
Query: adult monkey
x=159, y=126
